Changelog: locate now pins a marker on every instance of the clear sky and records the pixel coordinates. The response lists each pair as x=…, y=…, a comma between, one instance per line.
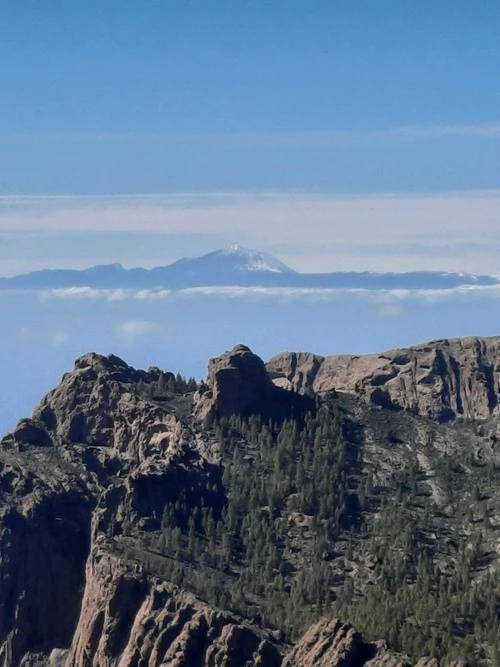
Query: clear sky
x=105, y=97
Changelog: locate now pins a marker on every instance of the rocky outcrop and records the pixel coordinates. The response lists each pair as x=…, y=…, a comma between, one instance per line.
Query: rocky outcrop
x=331, y=643
x=238, y=383
x=93, y=441
x=442, y=380
x=100, y=440
x=84, y=482
x=129, y=618
x=101, y=405
x=45, y=514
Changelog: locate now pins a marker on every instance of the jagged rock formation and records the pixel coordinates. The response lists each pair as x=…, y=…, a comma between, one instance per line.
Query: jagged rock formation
x=98, y=440
x=54, y=468
x=331, y=642
x=85, y=481
x=336, y=643
x=238, y=383
x=132, y=618
x=443, y=380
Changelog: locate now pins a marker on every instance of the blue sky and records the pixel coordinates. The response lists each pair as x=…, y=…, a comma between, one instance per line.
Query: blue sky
x=109, y=97
x=323, y=99
x=252, y=66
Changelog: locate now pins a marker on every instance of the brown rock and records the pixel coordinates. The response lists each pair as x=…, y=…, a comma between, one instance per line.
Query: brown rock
x=44, y=542
x=331, y=643
x=443, y=379
x=53, y=469
x=238, y=384
x=99, y=453
x=129, y=618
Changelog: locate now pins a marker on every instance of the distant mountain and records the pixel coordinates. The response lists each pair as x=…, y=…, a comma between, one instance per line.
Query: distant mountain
x=235, y=258
x=229, y=266
x=235, y=266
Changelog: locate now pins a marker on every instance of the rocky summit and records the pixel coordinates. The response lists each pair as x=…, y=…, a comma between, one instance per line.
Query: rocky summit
x=443, y=380
x=326, y=511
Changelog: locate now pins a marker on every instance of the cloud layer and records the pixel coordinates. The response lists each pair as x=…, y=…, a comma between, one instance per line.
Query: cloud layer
x=385, y=299
x=312, y=233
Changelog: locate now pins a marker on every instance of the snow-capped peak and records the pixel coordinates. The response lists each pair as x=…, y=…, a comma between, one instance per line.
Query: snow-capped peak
x=254, y=260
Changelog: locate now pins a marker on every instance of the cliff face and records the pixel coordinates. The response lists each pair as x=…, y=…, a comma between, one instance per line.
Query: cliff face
x=130, y=618
x=94, y=441
x=102, y=449
x=238, y=383
x=443, y=380
x=45, y=514
x=85, y=482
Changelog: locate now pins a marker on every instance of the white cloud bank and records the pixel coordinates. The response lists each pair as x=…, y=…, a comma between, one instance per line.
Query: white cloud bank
x=381, y=298
x=456, y=231
x=88, y=294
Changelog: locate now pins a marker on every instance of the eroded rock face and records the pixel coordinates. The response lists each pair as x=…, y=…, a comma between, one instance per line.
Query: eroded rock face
x=331, y=643
x=129, y=618
x=238, y=383
x=93, y=442
x=442, y=380
x=96, y=464
x=328, y=643
x=98, y=405
x=44, y=543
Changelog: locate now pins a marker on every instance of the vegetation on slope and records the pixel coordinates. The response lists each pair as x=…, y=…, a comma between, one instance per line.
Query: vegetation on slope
x=304, y=531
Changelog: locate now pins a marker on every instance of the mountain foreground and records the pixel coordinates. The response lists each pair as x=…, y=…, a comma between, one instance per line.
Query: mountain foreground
x=148, y=520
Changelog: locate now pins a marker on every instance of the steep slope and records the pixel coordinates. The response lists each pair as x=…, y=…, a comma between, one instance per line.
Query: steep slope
x=109, y=438
x=228, y=266
x=443, y=380
x=132, y=618
x=234, y=262
x=142, y=523
x=45, y=515
x=331, y=642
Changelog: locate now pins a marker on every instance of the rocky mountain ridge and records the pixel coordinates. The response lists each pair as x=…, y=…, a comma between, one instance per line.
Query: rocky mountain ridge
x=85, y=483
x=442, y=380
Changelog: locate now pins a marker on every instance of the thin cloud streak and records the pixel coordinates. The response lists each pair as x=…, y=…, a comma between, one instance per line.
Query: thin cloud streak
x=282, y=294
x=131, y=330
x=402, y=133
x=88, y=294
x=60, y=337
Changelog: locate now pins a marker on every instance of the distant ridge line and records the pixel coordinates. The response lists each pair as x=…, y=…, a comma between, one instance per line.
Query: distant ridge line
x=236, y=266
